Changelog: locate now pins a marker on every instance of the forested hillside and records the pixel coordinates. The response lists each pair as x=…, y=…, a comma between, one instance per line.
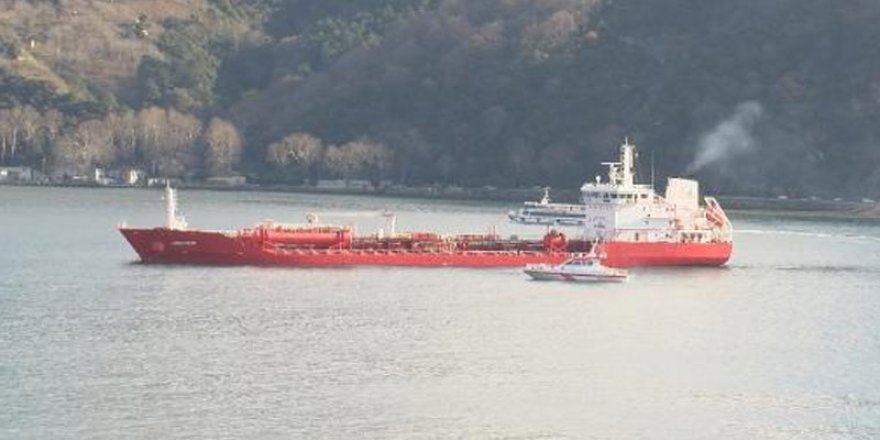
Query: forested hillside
x=762, y=97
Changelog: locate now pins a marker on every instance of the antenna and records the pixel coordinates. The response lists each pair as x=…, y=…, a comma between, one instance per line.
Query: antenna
x=652, y=168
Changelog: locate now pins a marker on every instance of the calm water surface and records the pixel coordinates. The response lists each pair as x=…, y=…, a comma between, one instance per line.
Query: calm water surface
x=783, y=343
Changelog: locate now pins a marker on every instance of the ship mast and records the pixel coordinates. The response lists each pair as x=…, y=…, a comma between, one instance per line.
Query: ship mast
x=623, y=173
x=172, y=221
x=628, y=157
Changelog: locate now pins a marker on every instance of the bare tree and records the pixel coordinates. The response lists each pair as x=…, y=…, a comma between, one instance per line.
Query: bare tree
x=339, y=163
x=223, y=147
x=9, y=132
x=50, y=126
x=7, y=127
x=361, y=158
x=179, y=143
x=298, y=153
x=124, y=130
x=167, y=140
x=18, y=130
x=149, y=126
x=90, y=144
x=48, y=130
x=29, y=122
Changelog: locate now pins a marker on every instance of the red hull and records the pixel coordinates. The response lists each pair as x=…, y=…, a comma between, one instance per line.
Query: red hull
x=629, y=254
x=164, y=246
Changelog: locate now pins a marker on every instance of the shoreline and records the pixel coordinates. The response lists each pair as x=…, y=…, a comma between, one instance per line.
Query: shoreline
x=749, y=205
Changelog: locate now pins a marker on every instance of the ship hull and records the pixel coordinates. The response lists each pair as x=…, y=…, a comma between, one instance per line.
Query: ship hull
x=163, y=246
x=632, y=254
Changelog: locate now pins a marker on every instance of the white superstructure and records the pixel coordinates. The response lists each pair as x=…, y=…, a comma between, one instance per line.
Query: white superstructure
x=620, y=209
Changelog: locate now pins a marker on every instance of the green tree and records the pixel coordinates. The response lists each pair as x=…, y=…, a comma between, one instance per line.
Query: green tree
x=185, y=78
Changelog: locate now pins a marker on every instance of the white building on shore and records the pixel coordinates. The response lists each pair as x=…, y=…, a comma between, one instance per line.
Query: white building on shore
x=17, y=174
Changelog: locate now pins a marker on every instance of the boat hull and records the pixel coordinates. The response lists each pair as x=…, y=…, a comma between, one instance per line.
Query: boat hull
x=632, y=254
x=539, y=275
x=164, y=246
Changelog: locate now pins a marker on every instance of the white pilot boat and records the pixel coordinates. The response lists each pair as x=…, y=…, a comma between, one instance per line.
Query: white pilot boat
x=586, y=268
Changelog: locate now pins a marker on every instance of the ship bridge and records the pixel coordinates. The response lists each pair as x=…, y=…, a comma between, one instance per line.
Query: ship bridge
x=597, y=193
x=620, y=187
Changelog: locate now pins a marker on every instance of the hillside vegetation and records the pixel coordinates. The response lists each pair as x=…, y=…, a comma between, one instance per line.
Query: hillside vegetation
x=753, y=97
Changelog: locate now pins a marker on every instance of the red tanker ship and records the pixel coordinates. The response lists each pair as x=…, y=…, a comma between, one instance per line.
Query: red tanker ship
x=630, y=223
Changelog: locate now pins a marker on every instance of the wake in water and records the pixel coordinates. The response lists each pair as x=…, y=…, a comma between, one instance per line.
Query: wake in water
x=824, y=240
x=825, y=268
x=812, y=268
x=823, y=235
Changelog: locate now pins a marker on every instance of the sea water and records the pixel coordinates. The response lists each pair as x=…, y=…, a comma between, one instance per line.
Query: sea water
x=784, y=342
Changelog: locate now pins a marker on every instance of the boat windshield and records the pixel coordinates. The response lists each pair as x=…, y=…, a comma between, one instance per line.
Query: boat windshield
x=579, y=262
